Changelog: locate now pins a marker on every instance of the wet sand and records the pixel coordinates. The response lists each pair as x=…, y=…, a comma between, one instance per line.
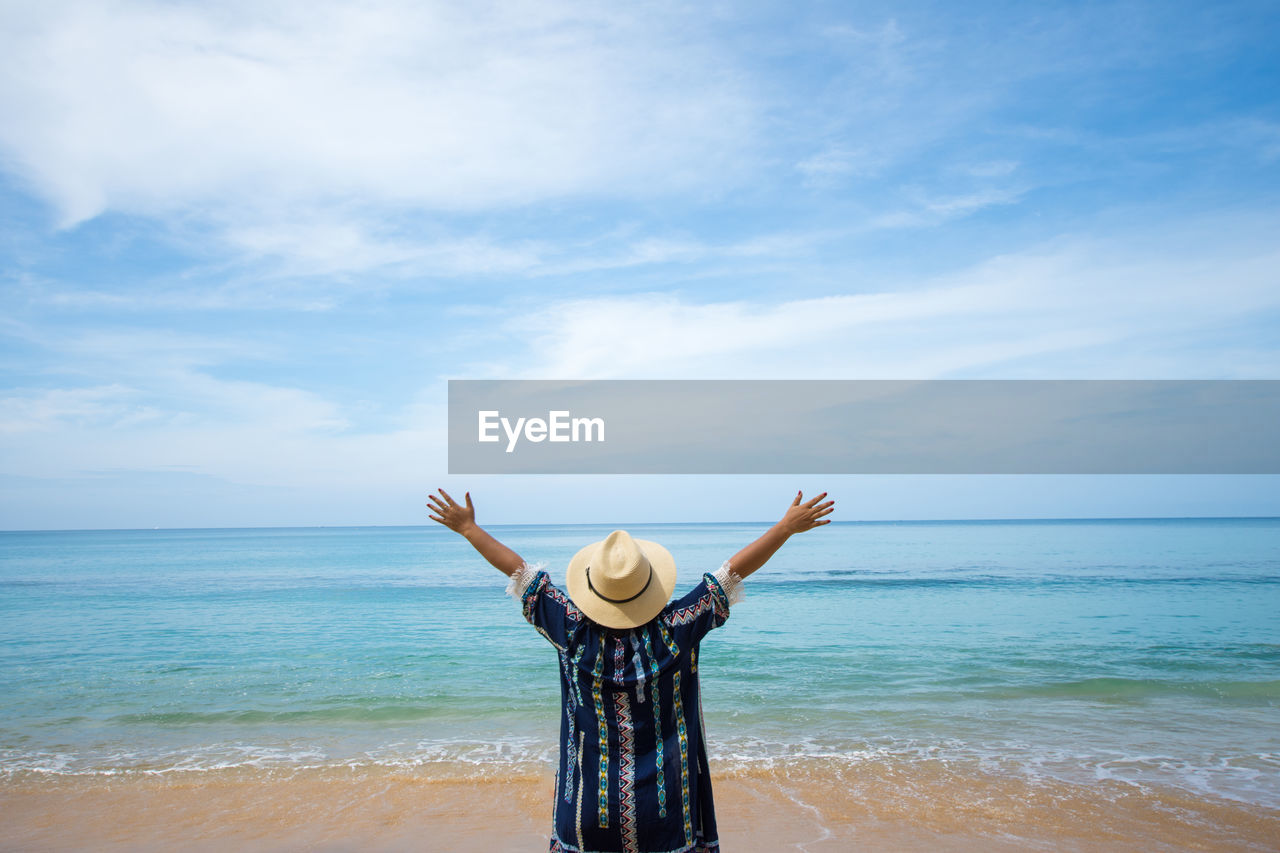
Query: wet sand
x=812, y=807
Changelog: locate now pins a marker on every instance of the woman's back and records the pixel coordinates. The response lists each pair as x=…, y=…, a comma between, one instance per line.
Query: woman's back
x=633, y=772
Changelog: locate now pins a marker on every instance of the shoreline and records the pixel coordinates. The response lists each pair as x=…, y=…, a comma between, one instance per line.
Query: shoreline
x=814, y=807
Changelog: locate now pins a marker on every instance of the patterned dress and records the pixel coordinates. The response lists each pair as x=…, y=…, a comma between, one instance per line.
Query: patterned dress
x=633, y=774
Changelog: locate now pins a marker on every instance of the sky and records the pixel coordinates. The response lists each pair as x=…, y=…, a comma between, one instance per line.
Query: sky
x=243, y=246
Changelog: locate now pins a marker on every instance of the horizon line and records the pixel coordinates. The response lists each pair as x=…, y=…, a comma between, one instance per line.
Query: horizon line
x=653, y=523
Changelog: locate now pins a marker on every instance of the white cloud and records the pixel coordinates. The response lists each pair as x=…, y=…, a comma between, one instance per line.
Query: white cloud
x=150, y=108
x=150, y=400
x=991, y=168
x=157, y=381
x=169, y=398
x=244, y=432
x=835, y=163
x=340, y=245
x=1081, y=309
x=44, y=409
x=269, y=450
x=929, y=208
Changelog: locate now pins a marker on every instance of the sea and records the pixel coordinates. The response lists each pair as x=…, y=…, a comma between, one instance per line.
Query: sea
x=1139, y=653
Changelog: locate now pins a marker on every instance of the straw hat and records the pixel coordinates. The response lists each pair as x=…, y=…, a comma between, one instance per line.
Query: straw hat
x=621, y=582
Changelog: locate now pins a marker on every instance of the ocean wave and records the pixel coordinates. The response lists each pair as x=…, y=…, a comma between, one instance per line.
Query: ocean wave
x=846, y=579
x=1115, y=689
x=458, y=757
x=1251, y=777
x=363, y=713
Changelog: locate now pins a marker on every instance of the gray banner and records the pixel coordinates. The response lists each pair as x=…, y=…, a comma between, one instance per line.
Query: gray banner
x=864, y=427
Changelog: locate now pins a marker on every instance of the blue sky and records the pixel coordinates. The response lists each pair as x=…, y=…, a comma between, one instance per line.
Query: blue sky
x=244, y=245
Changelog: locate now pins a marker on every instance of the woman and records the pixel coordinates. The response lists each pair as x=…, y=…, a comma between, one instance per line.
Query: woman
x=632, y=776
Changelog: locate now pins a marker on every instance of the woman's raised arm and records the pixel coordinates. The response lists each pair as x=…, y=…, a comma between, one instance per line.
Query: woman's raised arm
x=462, y=520
x=799, y=518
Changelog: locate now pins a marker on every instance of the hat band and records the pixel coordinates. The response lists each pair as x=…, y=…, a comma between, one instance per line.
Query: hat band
x=599, y=594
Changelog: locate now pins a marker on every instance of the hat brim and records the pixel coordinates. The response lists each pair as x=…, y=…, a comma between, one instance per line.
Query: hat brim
x=632, y=613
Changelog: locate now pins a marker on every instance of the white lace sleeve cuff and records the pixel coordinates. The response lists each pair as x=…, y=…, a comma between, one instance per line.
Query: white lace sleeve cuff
x=521, y=578
x=729, y=581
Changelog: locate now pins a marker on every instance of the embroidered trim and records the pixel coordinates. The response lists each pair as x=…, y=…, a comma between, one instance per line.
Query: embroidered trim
x=684, y=760
x=524, y=582
x=530, y=599
x=576, y=660
x=686, y=615
x=626, y=773
x=638, y=664
x=521, y=578
x=577, y=815
x=540, y=579
x=720, y=600
x=619, y=660
x=657, y=728
x=729, y=581
x=571, y=742
x=556, y=595
x=668, y=639
x=597, y=679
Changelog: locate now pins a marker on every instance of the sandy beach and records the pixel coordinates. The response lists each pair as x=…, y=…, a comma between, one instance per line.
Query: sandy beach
x=808, y=808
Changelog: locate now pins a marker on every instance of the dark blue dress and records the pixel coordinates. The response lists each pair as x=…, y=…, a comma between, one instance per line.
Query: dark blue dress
x=633, y=775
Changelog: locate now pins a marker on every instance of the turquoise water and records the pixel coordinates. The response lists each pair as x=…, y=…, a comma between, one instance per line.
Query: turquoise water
x=1146, y=651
